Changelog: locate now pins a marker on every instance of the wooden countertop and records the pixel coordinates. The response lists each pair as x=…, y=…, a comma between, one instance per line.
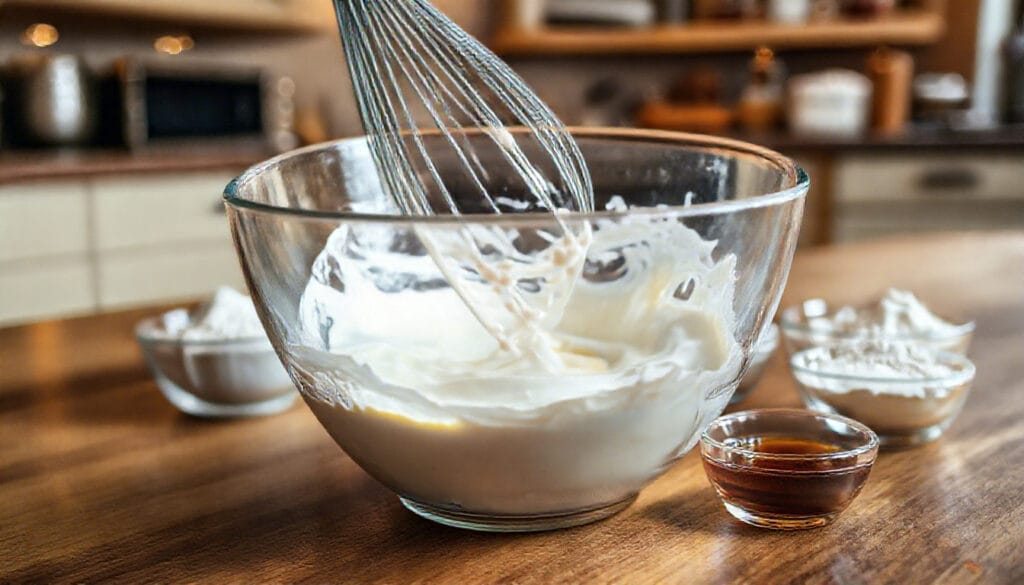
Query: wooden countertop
x=102, y=481
x=16, y=166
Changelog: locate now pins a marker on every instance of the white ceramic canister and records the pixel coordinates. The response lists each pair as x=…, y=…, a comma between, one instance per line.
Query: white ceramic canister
x=834, y=102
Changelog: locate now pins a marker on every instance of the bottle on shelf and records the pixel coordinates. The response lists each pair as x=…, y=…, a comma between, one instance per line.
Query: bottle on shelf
x=761, y=104
x=1014, y=54
x=673, y=11
x=892, y=75
x=789, y=11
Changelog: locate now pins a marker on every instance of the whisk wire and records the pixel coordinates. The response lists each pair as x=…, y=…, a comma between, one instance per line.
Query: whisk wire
x=440, y=63
x=424, y=81
x=404, y=57
x=379, y=113
x=475, y=107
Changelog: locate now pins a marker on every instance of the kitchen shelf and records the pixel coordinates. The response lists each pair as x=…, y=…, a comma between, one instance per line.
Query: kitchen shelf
x=910, y=27
x=271, y=16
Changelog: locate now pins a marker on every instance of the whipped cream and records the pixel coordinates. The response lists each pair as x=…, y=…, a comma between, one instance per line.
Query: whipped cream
x=620, y=351
x=898, y=314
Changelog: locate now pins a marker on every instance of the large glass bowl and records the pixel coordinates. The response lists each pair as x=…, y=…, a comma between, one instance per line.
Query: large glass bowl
x=365, y=309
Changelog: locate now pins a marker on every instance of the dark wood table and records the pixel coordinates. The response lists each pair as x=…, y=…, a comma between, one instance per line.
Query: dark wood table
x=102, y=481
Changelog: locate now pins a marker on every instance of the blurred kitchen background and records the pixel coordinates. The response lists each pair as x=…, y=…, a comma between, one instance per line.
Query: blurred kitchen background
x=124, y=119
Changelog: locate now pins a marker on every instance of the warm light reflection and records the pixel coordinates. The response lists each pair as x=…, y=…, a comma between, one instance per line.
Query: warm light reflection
x=40, y=35
x=764, y=55
x=46, y=361
x=173, y=44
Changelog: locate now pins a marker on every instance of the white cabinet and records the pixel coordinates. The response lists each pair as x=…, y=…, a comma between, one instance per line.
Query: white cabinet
x=80, y=245
x=40, y=219
x=930, y=177
x=147, y=210
x=904, y=193
x=163, y=275
x=45, y=289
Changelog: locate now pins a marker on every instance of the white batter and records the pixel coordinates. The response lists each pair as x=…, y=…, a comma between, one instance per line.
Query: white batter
x=593, y=389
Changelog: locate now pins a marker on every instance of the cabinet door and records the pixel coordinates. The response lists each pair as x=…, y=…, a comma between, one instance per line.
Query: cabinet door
x=149, y=210
x=164, y=275
x=895, y=193
x=38, y=290
x=43, y=219
x=930, y=177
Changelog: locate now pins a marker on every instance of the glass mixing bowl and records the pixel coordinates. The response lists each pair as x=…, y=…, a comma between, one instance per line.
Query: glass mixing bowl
x=598, y=348
x=761, y=354
x=222, y=378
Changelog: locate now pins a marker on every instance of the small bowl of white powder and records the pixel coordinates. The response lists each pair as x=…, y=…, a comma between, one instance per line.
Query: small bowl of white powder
x=896, y=316
x=909, y=394
x=216, y=361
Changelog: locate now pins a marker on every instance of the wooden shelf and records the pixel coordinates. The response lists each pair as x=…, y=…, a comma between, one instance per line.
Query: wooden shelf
x=19, y=166
x=272, y=16
x=917, y=27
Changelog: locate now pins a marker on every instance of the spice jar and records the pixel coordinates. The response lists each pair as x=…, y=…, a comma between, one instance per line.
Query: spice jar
x=527, y=14
x=892, y=73
x=760, y=106
x=829, y=103
x=789, y=11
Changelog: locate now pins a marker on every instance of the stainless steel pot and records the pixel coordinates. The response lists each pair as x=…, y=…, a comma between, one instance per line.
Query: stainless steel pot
x=55, y=102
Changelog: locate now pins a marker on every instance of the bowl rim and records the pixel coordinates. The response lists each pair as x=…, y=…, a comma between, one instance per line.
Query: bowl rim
x=801, y=183
x=872, y=443
x=145, y=327
x=964, y=374
x=789, y=326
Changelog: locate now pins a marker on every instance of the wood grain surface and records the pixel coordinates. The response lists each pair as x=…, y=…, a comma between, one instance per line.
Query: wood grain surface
x=102, y=481
x=903, y=27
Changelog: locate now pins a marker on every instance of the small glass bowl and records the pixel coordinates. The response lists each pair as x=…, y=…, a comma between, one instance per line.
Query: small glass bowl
x=904, y=412
x=793, y=487
x=798, y=333
x=217, y=379
x=760, y=355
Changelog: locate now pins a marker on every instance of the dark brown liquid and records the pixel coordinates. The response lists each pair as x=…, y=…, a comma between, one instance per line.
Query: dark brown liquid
x=787, y=487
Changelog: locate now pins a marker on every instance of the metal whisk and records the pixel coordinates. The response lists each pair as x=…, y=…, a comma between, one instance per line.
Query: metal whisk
x=407, y=58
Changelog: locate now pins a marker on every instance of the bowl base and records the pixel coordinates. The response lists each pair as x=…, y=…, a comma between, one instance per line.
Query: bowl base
x=779, y=522
x=497, y=523
x=886, y=440
x=192, y=405
x=919, y=437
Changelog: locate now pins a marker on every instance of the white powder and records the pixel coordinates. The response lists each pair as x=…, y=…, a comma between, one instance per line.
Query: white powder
x=897, y=389
x=242, y=371
x=897, y=314
x=876, y=359
x=229, y=315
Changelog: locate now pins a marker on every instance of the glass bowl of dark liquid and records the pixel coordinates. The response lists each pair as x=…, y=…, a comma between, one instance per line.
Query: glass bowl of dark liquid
x=787, y=469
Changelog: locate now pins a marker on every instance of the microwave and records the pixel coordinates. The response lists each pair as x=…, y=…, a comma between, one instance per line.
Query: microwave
x=147, y=106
